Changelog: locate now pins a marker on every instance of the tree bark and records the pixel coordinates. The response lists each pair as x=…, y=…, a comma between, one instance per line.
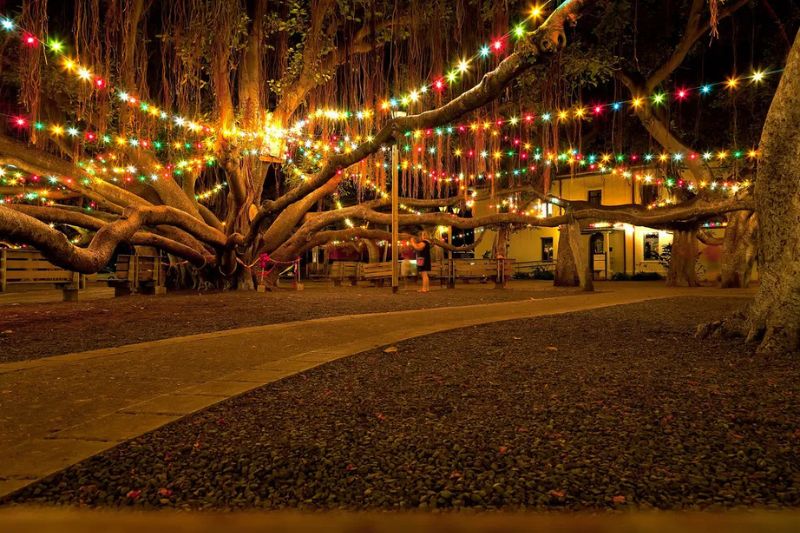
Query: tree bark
x=373, y=251
x=571, y=261
x=683, y=260
x=773, y=319
x=738, y=250
x=501, y=242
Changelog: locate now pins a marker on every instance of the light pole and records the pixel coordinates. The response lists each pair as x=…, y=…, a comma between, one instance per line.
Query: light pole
x=395, y=213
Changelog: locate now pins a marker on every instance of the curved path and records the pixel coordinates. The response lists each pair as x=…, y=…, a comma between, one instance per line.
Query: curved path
x=57, y=411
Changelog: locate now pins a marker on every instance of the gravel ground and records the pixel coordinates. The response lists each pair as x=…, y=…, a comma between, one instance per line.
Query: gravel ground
x=614, y=408
x=31, y=331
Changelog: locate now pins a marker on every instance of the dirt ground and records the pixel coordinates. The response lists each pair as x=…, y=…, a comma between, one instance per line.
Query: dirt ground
x=30, y=331
x=616, y=408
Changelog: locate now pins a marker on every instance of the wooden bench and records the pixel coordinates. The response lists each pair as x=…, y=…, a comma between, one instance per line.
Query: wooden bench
x=440, y=270
x=376, y=273
x=138, y=273
x=29, y=267
x=484, y=270
x=344, y=270
x=529, y=267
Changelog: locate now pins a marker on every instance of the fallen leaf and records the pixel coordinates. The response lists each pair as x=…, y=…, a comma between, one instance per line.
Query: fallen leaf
x=557, y=493
x=166, y=493
x=618, y=499
x=552, y=348
x=134, y=494
x=390, y=349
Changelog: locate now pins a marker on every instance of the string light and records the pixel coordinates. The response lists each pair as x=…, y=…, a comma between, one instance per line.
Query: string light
x=210, y=193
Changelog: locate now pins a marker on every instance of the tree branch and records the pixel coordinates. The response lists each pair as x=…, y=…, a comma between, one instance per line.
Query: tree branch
x=150, y=216
x=708, y=239
x=324, y=237
x=695, y=28
x=548, y=38
x=20, y=227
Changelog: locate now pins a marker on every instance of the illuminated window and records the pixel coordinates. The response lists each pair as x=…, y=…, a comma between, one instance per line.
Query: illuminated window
x=547, y=248
x=650, y=247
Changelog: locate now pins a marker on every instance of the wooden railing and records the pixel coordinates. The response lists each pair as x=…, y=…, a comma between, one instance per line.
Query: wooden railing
x=484, y=270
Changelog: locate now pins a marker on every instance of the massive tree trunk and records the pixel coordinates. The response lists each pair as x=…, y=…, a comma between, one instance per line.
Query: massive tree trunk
x=773, y=319
x=373, y=251
x=501, y=243
x=571, y=261
x=683, y=259
x=738, y=250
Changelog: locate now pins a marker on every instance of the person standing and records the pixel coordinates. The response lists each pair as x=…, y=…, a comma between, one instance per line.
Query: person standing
x=423, y=249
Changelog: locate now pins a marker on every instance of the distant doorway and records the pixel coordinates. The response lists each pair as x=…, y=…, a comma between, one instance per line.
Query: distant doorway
x=547, y=248
x=597, y=255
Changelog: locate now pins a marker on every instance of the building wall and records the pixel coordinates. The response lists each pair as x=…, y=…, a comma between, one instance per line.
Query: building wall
x=624, y=243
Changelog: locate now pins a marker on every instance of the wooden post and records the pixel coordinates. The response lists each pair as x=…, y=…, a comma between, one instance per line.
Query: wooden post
x=71, y=290
x=3, y=280
x=395, y=213
x=395, y=222
x=451, y=282
x=296, y=284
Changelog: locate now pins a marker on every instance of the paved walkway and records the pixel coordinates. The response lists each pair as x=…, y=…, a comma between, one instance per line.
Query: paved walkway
x=39, y=296
x=59, y=410
x=27, y=520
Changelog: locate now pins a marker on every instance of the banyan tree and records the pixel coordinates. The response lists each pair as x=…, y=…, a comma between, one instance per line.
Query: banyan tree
x=221, y=132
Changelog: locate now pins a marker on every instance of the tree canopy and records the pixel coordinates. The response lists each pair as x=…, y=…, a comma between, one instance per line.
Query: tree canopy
x=218, y=131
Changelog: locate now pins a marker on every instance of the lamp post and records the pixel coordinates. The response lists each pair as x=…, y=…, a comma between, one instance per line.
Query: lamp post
x=395, y=213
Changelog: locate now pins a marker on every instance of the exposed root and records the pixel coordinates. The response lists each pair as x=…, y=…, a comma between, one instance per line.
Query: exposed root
x=772, y=336
x=732, y=326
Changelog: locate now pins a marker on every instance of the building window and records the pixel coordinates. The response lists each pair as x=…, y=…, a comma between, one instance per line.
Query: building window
x=649, y=194
x=596, y=198
x=547, y=248
x=650, y=247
